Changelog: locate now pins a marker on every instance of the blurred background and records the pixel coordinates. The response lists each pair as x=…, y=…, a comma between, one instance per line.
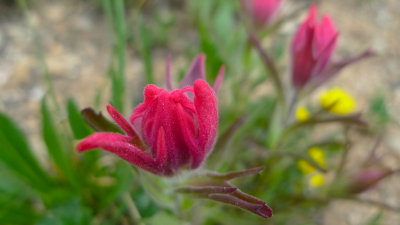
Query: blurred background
x=72, y=41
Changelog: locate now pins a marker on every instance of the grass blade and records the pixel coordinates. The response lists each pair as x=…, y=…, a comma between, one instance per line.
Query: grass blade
x=145, y=50
x=114, y=11
x=54, y=145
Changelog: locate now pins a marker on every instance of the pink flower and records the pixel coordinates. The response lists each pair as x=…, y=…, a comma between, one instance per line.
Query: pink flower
x=169, y=130
x=311, y=51
x=367, y=179
x=312, y=48
x=263, y=12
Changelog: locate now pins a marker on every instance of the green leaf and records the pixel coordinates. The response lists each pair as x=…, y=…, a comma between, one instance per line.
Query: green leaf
x=223, y=22
x=145, y=50
x=146, y=206
x=275, y=129
x=376, y=219
x=17, y=155
x=54, y=145
x=15, y=214
x=379, y=110
x=71, y=213
x=114, y=10
x=123, y=183
x=77, y=123
x=15, y=199
x=210, y=49
x=158, y=188
x=116, y=90
x=163, y=218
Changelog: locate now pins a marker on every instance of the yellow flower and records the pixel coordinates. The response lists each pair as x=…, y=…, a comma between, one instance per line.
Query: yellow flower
x=317, y=155
x=337, y=101
x=302, y=114
x=317, y=180
x=305, y=167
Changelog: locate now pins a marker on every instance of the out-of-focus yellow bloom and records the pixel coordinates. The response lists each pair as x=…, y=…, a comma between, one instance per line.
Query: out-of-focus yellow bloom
x=302, y=114
x=317, y=155
x=337, y=101
x=305, y=167
x=317, y=180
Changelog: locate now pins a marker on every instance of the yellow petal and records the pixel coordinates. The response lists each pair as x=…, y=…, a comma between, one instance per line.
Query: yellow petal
x=318, y=156
x=302, y=114
x=317, y=180
x=305, y=167
x=337, y=101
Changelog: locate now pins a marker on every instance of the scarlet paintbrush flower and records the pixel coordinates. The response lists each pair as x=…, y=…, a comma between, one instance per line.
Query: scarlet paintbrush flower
x=312, y=48
x=263, y=12
x=311, y=51
x=169, y=130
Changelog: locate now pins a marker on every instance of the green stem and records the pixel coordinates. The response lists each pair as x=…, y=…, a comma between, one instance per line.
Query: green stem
x=345, y=153
x=271, y=67
x=350, y=119
x=132, y=209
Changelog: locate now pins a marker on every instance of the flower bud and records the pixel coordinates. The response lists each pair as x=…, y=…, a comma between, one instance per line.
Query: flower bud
x=262, y=12
x=168, y=131
x=312, y=47
x=311, y=51
x=367, y=179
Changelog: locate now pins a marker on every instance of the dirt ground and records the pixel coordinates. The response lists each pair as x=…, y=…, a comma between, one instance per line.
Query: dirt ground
x=76, y=47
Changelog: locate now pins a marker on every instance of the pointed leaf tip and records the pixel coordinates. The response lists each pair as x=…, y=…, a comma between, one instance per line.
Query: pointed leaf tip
x=219, y=79
x=196, y=71
x=98, y=122
x=264, y=211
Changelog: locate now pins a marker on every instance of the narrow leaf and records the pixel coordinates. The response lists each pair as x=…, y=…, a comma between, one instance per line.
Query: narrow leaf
x=17, y=155
x=98, y=122
x=54, y=145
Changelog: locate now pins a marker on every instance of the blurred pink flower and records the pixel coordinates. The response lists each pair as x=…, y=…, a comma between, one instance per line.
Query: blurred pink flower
x=265, y=11
x=312, y=48
x=311, y=51
x=367, y=179
x=169, y=130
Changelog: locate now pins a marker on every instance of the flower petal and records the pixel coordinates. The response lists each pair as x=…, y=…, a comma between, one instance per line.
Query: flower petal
x=301, y=36
x=323, y=57
x=207, y=111
x=219, y=79
x=93, y=140
x=196, y=71
x=121, y=121
x=196, y=153
x=162, y=154
x=323, y=35
x=118, y=145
